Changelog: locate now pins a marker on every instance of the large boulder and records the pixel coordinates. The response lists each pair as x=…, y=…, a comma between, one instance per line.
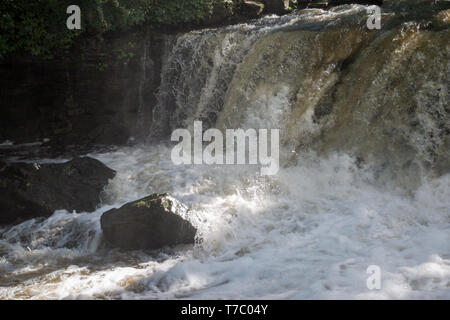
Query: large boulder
x=30, y=190
x=149, y=223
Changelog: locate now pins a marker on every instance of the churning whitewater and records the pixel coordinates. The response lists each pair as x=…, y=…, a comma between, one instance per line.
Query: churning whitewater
x=356, y=186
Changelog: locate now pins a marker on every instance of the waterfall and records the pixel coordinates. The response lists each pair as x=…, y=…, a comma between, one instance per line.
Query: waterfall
x=144, y=65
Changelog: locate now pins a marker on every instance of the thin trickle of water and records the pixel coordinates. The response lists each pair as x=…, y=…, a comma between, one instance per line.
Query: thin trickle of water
x=200, y=66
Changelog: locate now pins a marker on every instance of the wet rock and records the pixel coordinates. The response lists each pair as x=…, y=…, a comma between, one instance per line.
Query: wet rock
x=443, y=17
x=365, y=2
x=149, y=223
x=109, y=134
x=30, y=190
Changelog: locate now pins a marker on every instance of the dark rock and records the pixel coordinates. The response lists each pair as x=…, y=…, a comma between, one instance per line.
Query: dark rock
x=149, y=223
x=30, y=190
x=276, y=6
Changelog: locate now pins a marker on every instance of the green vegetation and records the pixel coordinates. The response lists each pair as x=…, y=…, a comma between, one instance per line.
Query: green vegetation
x=38, y=27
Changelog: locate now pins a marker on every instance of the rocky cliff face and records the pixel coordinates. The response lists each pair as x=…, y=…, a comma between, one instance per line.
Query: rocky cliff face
x=96, y=95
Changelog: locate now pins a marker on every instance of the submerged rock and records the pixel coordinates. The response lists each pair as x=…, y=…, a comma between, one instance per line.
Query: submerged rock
x=149, y=223
x=30, y=190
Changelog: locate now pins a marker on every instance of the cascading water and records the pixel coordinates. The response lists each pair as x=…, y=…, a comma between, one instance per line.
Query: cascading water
x=357, y=110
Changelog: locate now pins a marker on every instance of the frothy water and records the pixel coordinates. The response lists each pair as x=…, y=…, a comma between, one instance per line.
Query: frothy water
x=309, y=232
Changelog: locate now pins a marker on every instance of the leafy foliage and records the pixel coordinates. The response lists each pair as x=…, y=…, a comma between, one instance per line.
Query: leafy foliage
x=38, y=27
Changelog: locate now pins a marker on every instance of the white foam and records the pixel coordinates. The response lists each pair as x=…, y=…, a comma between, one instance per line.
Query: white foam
x=309, y=232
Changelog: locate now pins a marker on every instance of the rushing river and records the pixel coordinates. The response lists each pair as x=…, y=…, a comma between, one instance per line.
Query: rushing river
x=364, y=125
